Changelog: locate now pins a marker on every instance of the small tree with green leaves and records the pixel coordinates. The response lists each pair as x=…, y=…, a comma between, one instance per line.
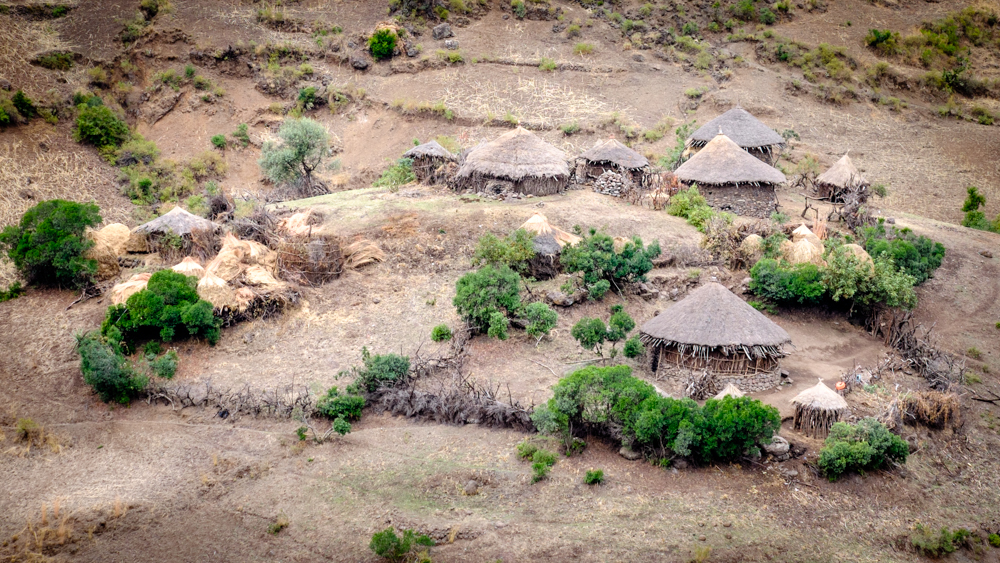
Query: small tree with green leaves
x=540, y=320
x=107, y=370
x=513, y=251
x=596, y=258
x=481, y=294
x=387, y=545
x=593, y=333
x=99, y=126
x=382, y=43
x=302, y=150
x=441, y=333
x=47, y=247
x=974, y=218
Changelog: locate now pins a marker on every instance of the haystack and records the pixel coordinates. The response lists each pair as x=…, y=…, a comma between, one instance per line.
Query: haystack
x=361, y=253
x=216, y=291
x=752, y=248
x=817, y=409
x=257, y=276
x=121, y=292
x=613, y=156
x=104, y=254
x=520, y=158
x=228, y=264
x=802, y=252
x=189, y=267
x=802, y=232
x=429, y=160
x=301, y=224
x=840, y=178
x=114, y=235
x=177, y=221
x=744, y=129
x=730, y=390
x=712, y=329
x=539, y=225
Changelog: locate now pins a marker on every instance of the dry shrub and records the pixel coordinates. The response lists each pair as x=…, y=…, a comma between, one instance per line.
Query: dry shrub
x=402, y=225
x=723, y=239
x=310, y=261
x=260, y=226
x=933, y=408
x=361, y=253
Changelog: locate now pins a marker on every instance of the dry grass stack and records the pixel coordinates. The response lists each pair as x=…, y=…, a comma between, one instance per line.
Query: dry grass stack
x=842, y=179
x=612, y=156
x=817, y=409
x=748, y=132
x=430, y=162
x=933, y=409
x=175, y=234
x=517, y=161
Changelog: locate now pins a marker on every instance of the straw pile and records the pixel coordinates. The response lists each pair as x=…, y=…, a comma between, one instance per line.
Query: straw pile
x=933, y=408
x=802, y=232
x=722, y=162
x=539, y=225
x=520, y=157
x=121, y=292
x=752, y=248
x=190, y=267
x=802, y=252
x=361, y=253
x=216, y=291
x=730, y=390
x=301, y=224
x=817, y=409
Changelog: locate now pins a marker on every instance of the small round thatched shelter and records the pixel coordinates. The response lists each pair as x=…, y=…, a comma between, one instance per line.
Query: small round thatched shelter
x=744, y=129
x=714, y=330
x=817, y=409
x=614, y=156
x=516, y=161
x=429, y=161
x=841, y=178
x=731, y=179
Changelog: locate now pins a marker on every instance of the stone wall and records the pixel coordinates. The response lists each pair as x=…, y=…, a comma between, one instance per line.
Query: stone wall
x=749, y=201
x=761, y=381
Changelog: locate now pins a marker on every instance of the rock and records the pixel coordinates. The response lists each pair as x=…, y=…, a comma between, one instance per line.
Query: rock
x=5, y=84
x=451, y=44
x=506, y=16
x=629, y=454
x=680, y=463
x=986, y=253
x=778, y=446
x=359, y=60
x=545, y=263
x=156, y=109
x=471, y=488
x=788, y=473
x=442, y=31
x=638, y=58
x=559, y=298
x=727, y=524
x=890, y=220
x=412, y=51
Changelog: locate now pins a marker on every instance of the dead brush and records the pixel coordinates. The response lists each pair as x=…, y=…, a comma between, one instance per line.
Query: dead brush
x=310, y=261
x=261, y=226
x=932, y=409
x=723, y=239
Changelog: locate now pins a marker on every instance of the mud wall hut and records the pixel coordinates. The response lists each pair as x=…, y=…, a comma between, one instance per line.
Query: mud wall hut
x=517, y=161
x=612, y=156
x=430, y=161
x=748, y=132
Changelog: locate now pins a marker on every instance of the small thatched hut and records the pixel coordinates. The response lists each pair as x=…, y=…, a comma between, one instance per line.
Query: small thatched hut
x=548, y=243
x=714, y=330
x=841, y=178
x=614, y=156
x=429, y=161
x=177, y=222
x=731, y=179
x=517, y=161
x=817, y=409
x=745, y=130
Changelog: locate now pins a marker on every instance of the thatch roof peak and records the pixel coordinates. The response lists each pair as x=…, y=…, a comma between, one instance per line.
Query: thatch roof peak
x=713, y=317
x=430, y=148
x=177, y=221
x=616, y=153
x=744, y=129
x=731, y=390
x=515, y=155
x=723, y=162
x=843, y=174
x=820, y=397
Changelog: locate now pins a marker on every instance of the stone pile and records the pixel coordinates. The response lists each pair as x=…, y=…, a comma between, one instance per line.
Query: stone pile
x=611, y=183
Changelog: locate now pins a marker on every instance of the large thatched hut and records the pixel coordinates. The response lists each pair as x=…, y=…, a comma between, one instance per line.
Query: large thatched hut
x=841, y=178
x=612, y=156
x=516, y=161
x=748, y=132
x=817, y=409
x=731, y=179
x=713, y=330
x=429, y=161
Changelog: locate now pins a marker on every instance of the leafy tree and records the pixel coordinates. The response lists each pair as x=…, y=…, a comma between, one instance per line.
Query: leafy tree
x=382, y=43
x=99, y=126
x=590, y=333
x=864, y=446
x=541, y=319
x=380, y=370
x=388, y=545
x=302, y=150
x=482, y=293
x=513, y=251
x=107, y=370
x=633, y=348
x=917, y=255
x=595, y=256
x=733, y=425
x=165, y=366
x=346, y=405
x=48, y=244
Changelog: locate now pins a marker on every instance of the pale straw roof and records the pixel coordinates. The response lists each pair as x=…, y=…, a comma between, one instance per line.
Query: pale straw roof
x=539, y=225
x=516, y=155
x=731, y=390
x=820, y=397
x=616, y=153
x=744, y=129
x=429, y=149
x=177, y=221
x=723, y=162
x=843, y=174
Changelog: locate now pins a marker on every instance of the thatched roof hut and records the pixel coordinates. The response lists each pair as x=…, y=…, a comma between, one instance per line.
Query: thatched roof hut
x=723, y=163
x=713, y=329
x=841, y=177
x=177, y=221
x=613, y=156
x=428, y=159
x=817, y=409
x=744, y=129
x=518, y=161
x=539, y=225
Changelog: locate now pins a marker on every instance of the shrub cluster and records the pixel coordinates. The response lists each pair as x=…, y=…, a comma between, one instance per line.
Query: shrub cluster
x=929, y=543
x=513, y=251
x=594, y=477
x=605, y=267
x=341, y=407
x=691, y=205
x=974, y=218
x=382, y=43
x=380, y=370
x=441, y=333
x=107, y=370
x=916, y=255
x=593, y=333
x=387, y=545
x=490, y=297
x=97, y=125
x=398, y=174
x=611, y=402
x=864, y=446
x=47, y=246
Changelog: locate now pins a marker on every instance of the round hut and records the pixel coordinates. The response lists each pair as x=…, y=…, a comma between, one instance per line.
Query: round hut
x=612, y=156
x=517, y=161
x=748, y=132
x=841, y=178
x=732, y=180
x=817, y=409
x=548, y=243
x=715, y=331
x=429, y=161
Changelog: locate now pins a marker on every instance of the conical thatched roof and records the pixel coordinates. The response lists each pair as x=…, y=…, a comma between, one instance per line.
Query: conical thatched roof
x=178, y=221
x=539, y=225
x=820, y=397
x=731, y=390
x=616, y=153
x=843, y=174
x=744, y=129
x=515, y=156
x=723, y=162
x=713, y=317
x=429, y=149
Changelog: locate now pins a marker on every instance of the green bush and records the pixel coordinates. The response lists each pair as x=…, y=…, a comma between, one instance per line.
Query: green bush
x=633, y=348
x=691, y=205
x=864, y=446
x=592, y=333
x=935, y=544
x=974, y=218
x=596, y=258
x=48, y=244
x=242, y=135
x=540, y=318
x=994, y=540
x=883, y=41
x=105, y=368
x=542, y=462
x=387, y=545
x=165, y=366
x=526, y=450
x=13, y=291
x=219, y=141
x=799, y=284
x=382, y=43
x=440, y=333
x=99, y=126
x=381, y=370
x=24, y=105
x=916, y=255
x=513, y=251
x=594, y=477
x=347, y=406
x=168, y=309
x=482, y=293
x=400, y=173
